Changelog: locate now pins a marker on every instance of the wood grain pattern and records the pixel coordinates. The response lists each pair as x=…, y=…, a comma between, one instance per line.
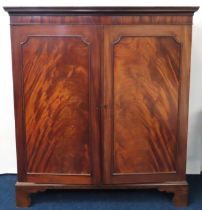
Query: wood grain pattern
x=135, y=162
x=84, y=38
x=116, y=121
x=100, y=20
x=56, y=91
x=146, y=84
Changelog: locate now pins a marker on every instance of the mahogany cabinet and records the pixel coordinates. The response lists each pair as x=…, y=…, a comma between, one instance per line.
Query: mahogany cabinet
x=101, y=98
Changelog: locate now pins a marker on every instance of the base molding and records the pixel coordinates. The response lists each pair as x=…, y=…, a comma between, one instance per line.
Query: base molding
x=179, y=189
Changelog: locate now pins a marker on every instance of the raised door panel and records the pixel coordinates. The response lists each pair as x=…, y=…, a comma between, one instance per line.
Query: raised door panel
x=56, y=95
x=142, y=76
x=146, y=84
x=60, y=91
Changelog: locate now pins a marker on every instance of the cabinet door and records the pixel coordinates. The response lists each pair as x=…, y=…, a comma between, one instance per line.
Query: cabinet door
x=146, y=77
x=56, y=84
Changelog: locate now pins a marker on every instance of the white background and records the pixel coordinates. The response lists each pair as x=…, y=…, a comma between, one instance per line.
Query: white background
x=7, y=133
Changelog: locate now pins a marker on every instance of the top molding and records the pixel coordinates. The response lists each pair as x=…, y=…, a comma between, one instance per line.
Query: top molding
x=132, y=11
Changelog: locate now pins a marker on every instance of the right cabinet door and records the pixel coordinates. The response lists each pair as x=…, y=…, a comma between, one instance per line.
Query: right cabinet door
x=146, y=83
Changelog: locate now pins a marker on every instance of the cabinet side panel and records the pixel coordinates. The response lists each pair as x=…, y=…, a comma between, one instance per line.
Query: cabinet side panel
x=146, y=89
x=56, y=104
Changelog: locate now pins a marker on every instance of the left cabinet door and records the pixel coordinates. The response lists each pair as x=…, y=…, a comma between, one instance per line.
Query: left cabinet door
x=56, y=72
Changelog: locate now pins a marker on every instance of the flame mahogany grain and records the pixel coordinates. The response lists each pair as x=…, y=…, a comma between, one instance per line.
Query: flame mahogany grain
x=57, y=79
x=145, y=89
x=56, y=97
x=101, y=98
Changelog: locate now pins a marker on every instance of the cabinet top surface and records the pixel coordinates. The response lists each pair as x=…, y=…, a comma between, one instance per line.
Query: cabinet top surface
x=101, y=10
